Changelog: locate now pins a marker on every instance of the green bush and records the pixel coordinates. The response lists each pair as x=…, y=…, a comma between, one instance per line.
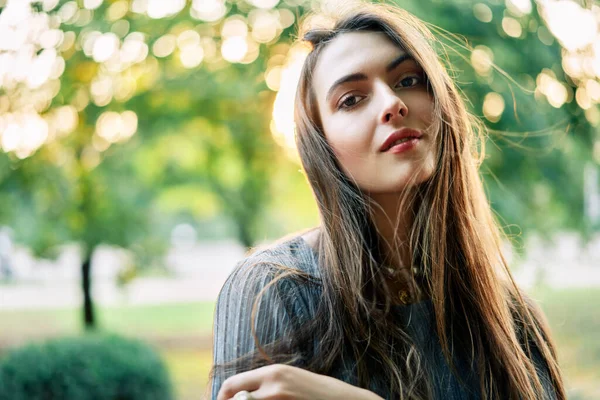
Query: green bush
x=90, y=367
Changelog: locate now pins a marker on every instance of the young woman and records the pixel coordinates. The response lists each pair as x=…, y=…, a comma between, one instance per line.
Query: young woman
x=402, y=292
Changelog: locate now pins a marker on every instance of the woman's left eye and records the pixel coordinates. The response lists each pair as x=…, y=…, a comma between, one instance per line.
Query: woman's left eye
x=409, y=81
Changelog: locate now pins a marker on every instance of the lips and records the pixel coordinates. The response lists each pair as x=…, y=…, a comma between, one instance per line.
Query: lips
x=401, y=135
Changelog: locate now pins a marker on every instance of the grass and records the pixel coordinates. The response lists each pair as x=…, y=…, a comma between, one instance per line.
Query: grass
x=181, y=333
x=189, y=371
x=574, y=318
x=187, y=319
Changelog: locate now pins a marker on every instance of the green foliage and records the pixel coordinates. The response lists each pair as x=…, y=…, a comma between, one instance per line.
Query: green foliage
x=84, y=368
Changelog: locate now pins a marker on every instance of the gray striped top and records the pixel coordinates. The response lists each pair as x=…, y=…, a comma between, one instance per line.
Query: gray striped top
x=283, y=307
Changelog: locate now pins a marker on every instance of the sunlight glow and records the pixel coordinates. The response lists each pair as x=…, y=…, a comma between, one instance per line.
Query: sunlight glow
x=208, y=10
x=188, y=38
x=573, y=65
x=101, y=90
x=30, y=69
x=234, y=49
x=573, y=26
x=519, y=7
x=252, y=53
x=234, y=26
x=105, y=46
x=23, y=133
x=191, y=56
x=114, y=127
x=64, y=120
x=162, y=9
x=134, y=50
x=273, y=78
x=282, y=124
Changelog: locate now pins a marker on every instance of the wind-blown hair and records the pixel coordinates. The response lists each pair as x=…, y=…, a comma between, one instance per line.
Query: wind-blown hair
x=480, y=314
x=454, y=239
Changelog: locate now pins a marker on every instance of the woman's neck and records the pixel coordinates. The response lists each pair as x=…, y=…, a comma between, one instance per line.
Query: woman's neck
x=392, y=221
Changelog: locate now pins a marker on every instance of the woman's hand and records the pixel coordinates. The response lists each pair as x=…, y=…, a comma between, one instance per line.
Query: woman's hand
x=284, y=382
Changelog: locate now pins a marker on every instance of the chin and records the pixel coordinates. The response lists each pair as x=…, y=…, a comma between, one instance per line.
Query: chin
x=414, y=179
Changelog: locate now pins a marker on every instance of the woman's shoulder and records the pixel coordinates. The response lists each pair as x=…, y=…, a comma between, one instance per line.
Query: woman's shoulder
x=291, y=258
x=296, y=251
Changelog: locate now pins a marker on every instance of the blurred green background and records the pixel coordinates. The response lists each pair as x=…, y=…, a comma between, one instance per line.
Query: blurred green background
x=146, y=144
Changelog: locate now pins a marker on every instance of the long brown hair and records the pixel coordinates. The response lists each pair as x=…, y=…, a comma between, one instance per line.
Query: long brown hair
x=454, y=238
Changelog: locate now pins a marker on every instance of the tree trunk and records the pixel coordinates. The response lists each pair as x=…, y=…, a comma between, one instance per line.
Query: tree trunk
x=89, y=319
x=244, y=234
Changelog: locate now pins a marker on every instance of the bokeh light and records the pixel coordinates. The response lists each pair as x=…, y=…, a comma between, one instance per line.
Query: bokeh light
x=493, y=106
x=161, y=8
x=164, y=46
x=234, y=49
x=557, y=93
x=92, y=4
x=482, y=60
x=116, y=127
x=482, y=12
x=117, y=10
x=208, y=10
x=573, y=26
x=519, y=8
x=104, y=46
x=22, y=133
x=267, y=4
x=512, y=27
x=265, y=25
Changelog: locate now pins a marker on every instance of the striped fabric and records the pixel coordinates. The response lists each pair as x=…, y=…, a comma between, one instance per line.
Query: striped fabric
x=287, y=304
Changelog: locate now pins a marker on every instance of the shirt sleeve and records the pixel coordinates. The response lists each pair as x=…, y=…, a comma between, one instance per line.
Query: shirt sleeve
x=260, y=294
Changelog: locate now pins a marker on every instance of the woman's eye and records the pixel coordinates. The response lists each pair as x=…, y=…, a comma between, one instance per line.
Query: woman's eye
x=348, y=102
x=410, y=81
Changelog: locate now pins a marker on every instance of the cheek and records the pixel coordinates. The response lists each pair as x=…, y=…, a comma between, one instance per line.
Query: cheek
x=347, y=139
x=422, y=109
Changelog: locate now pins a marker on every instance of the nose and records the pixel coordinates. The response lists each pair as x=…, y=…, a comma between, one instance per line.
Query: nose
x=393, y=106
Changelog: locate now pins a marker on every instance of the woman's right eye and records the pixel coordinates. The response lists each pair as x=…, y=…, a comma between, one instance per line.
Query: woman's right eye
x=348, y=102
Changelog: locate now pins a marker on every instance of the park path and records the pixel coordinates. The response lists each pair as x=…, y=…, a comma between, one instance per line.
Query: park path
x=199, y=271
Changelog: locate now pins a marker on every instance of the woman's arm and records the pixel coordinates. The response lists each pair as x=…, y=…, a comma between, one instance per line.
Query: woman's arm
x=284, y=307
x=285, y=382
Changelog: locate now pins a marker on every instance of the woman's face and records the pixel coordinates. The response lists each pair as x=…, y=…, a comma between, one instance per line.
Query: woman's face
x=371, y=94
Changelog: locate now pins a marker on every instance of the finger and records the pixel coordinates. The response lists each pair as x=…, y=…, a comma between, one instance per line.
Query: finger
x=250, y=381
x=265, y=392
x=253, y=396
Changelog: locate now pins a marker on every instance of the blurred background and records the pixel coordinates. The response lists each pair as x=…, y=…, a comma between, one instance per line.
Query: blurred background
x=145, y=145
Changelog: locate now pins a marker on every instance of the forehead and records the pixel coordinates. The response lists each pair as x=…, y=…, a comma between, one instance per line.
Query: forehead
x=348, y=53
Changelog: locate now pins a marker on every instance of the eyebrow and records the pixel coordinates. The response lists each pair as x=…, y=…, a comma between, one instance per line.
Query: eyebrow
x=362, y=77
